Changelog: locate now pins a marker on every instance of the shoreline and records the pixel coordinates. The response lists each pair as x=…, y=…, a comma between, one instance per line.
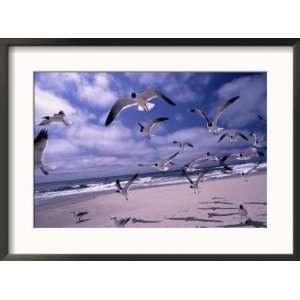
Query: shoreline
x=172, y=205
x=91, y=195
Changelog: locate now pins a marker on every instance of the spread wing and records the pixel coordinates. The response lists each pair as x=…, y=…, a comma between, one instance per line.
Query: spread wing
x=151, y=94
x=223, y=107
x=118, y=184
x=129, y=183
x=200, y=113
x=170, y=158
x=241, y=135
x=154, y=122
x=40, y=144
x=186, y=175
x=117, y=107
x=222, y=137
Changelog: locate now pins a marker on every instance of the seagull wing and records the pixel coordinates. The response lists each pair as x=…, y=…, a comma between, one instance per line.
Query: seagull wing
x=40, y=144
x=154, y=122
x=129, y=183
x=200, y=176
x=117, y=107
x=222, y=137
x=66, y=122
x=241, y=135
x=151, y=94
x=145, y=165
x=189, y=144
x=223, y=107
x=187, y=176
x=200, y=113
x=170, y=158
x=118, y=184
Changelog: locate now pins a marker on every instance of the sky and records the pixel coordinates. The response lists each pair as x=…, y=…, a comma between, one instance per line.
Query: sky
x=88, y=149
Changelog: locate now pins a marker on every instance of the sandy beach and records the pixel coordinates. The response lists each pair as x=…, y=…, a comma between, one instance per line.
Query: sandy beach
x=165, y=206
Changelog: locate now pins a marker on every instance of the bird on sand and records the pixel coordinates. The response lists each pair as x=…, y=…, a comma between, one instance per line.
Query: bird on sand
x=78, y=215
x=243, y=214
x=120, y=222
x=142, y=101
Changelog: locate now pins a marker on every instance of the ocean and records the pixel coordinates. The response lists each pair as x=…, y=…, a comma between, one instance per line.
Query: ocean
x=44, y=192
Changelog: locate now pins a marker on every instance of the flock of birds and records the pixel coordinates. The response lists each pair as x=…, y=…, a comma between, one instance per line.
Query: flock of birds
x=143, y=101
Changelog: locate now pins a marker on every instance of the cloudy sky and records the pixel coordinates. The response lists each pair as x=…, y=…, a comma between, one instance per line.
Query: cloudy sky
x=88, y=149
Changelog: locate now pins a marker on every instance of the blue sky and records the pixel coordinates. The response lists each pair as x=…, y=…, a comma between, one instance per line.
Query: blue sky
x=88, y=149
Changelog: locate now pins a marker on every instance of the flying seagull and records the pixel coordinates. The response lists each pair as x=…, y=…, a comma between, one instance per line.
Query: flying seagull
x=233, y=137
x=141, y=100
x=79, y=215
x=182, y=145
x=60, y=117
x=248, y=154
x=40, y=145
x=191, y=166
x=221, y=160
x=243, y=214
x=163, y=165
x=120, y=222
x=194, y=183
x=146, y=130
x=258, y=142
x=246, y=174
x=212, y=124
x=124, y=190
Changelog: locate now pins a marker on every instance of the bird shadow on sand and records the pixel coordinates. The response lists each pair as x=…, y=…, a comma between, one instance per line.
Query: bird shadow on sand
x=216, y=202
x=249, y=223
x=134, y=220
x=262, y=203
x=190, y=219
x=216, y=208
x=210, y=215
x=81, y=221
x=217, y=198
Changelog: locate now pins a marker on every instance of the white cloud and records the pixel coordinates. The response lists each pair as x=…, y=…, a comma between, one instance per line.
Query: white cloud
x=252, y=92
x=47, y=103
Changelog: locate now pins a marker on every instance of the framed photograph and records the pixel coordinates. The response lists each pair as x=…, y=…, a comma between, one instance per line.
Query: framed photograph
x=149, y=149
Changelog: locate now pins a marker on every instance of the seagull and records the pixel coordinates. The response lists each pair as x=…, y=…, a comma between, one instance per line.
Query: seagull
x=146, y=130
x=162, y=165
x=120, y=222
x=182, y=145
x=141, y=100
x=233, y=137
x=212, y=124
x=194, y=184
x=60, y=117
x=40, y=145
x=78, y=215
x=243, y=214
x=256, y=141
x=248, y=154
x=220, y=159
x=191, y=166
x=246, y=174
x=124, y=190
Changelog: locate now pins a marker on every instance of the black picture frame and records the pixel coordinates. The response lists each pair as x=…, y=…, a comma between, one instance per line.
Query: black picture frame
x=5, y=44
